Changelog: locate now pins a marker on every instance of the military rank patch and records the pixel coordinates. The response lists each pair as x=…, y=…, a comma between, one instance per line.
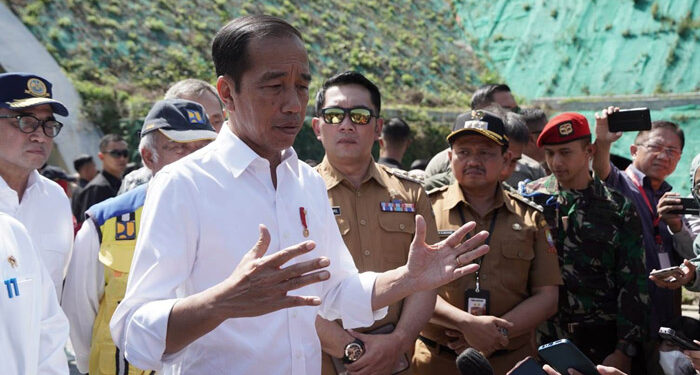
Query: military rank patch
x=126, y=227
x=397, y=206
x=336, y=210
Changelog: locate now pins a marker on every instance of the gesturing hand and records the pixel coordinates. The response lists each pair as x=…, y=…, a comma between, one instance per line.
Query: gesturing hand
x=434, y=265
x=259, y=284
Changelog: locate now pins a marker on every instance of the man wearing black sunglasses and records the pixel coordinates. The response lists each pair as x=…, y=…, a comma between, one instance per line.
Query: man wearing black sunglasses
x=375, y=208
x=114, y=155
x=27, y=129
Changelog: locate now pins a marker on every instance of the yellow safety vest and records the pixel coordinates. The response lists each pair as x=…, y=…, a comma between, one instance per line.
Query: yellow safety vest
x=119, y=230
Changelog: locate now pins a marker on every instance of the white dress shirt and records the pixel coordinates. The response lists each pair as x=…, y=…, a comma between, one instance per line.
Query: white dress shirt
x=201, y=216
x=33, y=329
x=83, y=290
x=45, y=212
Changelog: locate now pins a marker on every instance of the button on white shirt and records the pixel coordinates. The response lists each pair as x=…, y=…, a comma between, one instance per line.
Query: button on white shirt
x=33, y=329
x=201, y=216
x=45, y=213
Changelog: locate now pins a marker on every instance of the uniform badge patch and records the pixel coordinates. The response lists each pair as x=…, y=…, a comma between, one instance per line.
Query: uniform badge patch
x=336, y=210
x=126, y=227
x=397, y=205
x=12, y=260
x=566, y=128
x=36, y=87
x=195, y=117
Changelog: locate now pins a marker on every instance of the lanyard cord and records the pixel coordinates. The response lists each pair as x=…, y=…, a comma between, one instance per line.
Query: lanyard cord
x=656, y=217
x=492, y=226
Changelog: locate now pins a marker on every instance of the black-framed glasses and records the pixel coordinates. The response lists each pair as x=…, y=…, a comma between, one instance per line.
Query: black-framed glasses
x=118, y=153
x=28, y=124
x=336, y=115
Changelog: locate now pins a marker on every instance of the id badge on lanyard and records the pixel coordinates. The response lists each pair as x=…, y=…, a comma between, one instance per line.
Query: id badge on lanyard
x=476, y=301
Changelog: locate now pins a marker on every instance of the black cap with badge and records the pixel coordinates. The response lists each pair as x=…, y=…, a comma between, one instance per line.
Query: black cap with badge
x=180, y=120
x=26, y=90
x=482, y=123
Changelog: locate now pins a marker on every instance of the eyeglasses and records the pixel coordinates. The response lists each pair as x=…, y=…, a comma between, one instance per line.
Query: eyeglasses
x=118, y=153
x=28, y=124
x=671, y=152
x=336, y=115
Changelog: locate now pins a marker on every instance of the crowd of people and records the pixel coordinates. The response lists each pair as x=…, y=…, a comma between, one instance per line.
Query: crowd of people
x=224, y=253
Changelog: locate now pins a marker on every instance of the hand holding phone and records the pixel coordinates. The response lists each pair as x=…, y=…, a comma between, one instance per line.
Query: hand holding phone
x=563, y=355
x=690, y=207
x=627, y=120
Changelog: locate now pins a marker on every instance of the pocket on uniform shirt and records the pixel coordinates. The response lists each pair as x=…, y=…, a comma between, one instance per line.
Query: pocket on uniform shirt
x=397, y=223
x=22, y=303
x=518, y=253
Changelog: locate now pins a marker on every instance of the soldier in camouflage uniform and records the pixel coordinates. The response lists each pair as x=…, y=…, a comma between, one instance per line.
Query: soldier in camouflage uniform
x=603, y=304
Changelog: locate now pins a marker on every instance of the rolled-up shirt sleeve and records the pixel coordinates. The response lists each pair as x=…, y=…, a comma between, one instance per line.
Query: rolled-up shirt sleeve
x=163, y=259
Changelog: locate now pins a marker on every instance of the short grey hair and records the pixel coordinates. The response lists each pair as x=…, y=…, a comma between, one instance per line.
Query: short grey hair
x=149, y=141
x=192, y=88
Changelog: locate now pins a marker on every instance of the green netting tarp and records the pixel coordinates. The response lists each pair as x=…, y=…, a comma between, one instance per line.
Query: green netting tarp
x=597, y=47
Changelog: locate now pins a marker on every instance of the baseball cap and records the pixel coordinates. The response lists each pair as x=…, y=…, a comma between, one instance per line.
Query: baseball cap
x=56, y=173
x=564, y=128
x=26, y=90
x=482, y=123
x=180, y=120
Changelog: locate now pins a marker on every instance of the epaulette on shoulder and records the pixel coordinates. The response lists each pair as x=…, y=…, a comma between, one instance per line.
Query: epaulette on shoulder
x=438, y=189
x=518, y=197
x=404, y=175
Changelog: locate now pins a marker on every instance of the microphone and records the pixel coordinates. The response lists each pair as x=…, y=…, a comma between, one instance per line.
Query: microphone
x=472, y=362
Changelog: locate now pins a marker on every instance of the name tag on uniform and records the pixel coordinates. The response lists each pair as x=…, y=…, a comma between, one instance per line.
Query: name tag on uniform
x=445, y=233
x=336, y=210
x=397, y=205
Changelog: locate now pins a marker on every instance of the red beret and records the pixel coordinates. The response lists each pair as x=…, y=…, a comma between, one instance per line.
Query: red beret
x=564, y=128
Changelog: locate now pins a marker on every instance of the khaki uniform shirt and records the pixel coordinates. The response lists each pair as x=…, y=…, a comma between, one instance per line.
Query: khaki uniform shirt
x=521, y=256
x=376, y=233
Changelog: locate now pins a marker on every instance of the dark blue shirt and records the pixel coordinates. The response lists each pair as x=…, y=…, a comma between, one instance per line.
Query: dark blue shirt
x=665, y=303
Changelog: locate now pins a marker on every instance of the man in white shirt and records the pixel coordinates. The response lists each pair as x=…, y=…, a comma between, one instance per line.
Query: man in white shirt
x=198, y=301
x=104, y=245
x=27, y=129
x=33, y=329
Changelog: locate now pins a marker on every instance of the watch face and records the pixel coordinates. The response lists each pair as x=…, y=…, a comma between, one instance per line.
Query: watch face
x=353, y=351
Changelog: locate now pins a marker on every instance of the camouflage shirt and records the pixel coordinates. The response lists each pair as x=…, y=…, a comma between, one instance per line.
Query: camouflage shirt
x=598, y=238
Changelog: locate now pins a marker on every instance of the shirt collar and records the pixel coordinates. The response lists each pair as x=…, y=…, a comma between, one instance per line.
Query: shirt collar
x=665, y=186
x=237, y=156
x=333, y=177
x=454, y=195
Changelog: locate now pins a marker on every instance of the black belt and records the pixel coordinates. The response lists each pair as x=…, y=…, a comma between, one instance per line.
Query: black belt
x=439, y=347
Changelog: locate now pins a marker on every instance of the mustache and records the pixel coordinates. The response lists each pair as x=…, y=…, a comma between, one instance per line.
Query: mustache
x=473, y=169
